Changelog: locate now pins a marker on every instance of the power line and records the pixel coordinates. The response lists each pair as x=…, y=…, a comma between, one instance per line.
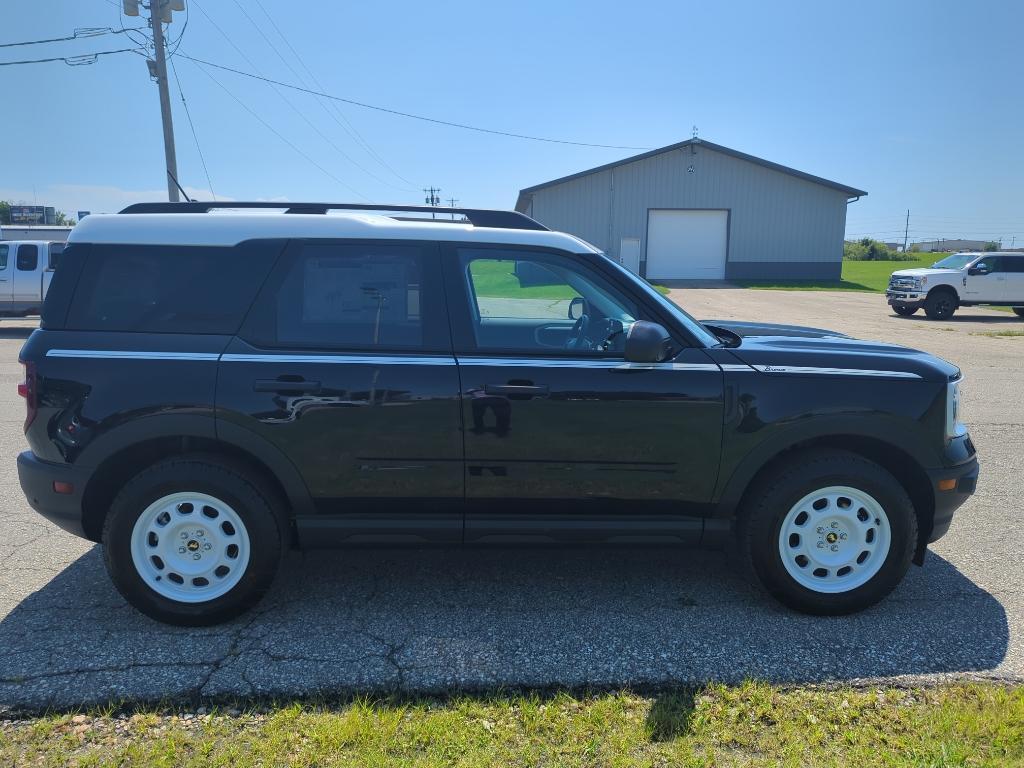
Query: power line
x=284, y=98
x=273, y=130
x=410, y=115
x=322, y=105
x=347, y=124
x=193, y=127
x=80, y=34
x=72, y=61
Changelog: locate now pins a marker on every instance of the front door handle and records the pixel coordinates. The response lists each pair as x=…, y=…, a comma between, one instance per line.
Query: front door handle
x=516, y=391
x=286, y=386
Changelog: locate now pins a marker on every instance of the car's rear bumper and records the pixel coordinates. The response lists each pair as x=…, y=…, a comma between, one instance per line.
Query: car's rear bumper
x=964, y=479
x=37, y=479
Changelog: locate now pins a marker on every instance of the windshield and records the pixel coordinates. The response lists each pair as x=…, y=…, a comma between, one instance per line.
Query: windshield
x=956, y=261
x=702, y=335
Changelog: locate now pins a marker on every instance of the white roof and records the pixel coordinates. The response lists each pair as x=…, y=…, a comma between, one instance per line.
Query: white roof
x=232, y=228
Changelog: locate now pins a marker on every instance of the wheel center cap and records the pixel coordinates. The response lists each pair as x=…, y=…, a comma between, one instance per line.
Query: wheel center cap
x=193, y=545
x=832, y=538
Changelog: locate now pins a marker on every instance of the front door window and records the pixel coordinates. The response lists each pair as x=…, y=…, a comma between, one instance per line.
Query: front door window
x=530, y=302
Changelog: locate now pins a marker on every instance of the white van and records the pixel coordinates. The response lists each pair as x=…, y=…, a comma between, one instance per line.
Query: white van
x=26, y=269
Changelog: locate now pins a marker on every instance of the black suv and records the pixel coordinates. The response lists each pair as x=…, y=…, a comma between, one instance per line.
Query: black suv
x=208, y=388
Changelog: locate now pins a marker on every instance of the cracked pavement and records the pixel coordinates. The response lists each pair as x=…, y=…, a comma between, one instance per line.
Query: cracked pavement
x=440, y=620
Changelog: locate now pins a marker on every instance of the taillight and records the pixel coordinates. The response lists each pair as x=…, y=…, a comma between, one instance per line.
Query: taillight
x=27, y=389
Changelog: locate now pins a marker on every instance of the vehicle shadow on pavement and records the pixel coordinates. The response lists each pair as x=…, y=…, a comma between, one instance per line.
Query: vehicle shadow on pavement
x=443, y=620
x=965, y=316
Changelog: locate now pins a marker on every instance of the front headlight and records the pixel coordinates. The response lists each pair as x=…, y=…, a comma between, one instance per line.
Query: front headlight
x=954, y=427
x=919, y=283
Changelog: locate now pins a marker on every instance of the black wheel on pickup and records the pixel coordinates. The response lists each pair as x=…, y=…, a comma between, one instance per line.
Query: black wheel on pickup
x=940, y=304
x=193, y=540
x=903, y=310
x=1018, y=311
x=828, y=533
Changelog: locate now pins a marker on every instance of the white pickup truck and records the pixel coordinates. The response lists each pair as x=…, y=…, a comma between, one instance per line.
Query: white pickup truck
x=26, y=268
x=959, y=280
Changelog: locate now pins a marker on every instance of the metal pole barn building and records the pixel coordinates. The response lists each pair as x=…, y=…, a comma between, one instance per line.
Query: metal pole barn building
x=700, y=211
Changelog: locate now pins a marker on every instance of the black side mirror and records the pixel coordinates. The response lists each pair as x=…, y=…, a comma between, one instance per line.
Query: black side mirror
x=647, y=343
x=980, y=269
x=577, y=308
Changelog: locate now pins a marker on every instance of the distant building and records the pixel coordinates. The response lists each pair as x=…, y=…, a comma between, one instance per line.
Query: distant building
x=697, y=210
x=16, y=232
x=932, y=246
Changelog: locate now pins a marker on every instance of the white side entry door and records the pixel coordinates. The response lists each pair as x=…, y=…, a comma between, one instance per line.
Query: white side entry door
x=988, y=281
x=629, y=254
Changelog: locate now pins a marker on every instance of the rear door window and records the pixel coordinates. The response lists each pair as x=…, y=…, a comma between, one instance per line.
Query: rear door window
x=56, y=249
x=170, y=289
x=359, y=296
x=28, y=257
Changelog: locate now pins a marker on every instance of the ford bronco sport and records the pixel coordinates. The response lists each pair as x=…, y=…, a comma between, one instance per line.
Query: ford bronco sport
x=209, y=387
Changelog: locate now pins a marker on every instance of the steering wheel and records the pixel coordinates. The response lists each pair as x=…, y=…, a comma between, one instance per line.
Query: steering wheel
x=578, y=336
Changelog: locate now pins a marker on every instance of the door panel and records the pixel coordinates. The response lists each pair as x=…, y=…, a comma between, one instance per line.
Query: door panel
x=575, y=443
x=990, y=287
x=583, y=433
x=371, y=421
x=1014, y=284
x=6, y=271
x=27, y=283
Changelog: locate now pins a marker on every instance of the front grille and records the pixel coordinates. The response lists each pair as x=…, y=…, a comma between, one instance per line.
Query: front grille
x=901, y=284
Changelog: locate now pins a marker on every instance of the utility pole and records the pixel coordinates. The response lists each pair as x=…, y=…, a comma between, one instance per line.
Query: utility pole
x=906, y=231
x=454, y=204
x=160, y=11
x=432, y=198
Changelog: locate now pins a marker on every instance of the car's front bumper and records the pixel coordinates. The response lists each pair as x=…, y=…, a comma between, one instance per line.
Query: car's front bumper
x=905, y=298
x=37, y=478
x=963, y=480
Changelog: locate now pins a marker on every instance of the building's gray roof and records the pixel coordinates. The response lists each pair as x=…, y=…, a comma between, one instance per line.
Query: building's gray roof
x=852, y=192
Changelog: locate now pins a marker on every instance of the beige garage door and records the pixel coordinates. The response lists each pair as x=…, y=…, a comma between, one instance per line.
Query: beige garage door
x=687, y=245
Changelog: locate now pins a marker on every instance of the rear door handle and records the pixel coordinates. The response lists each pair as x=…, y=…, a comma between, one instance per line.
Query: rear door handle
x=286, y=386
x=523, y=391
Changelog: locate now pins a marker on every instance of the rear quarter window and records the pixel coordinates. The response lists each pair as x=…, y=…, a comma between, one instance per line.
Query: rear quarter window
x=169, y=289
x=5, y=250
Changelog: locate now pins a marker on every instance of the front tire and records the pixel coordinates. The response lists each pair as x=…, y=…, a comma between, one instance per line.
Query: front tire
x=903, y=310
x=193, y=541
x=940, y=305
x=830, y=533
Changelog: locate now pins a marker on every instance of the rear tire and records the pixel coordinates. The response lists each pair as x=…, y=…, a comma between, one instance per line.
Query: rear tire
x=829, y=533
x=940, y=305
x=193, y=541
x=1018, y=311
x=903, y=310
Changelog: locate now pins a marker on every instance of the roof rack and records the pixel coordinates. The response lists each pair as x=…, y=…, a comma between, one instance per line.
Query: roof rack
x=478, y=217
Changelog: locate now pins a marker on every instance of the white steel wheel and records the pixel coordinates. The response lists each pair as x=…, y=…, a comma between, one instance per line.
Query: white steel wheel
x=834, y=539
x=190, y=547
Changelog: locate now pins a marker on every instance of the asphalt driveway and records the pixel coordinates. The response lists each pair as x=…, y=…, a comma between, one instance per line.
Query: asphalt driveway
x=434, y=620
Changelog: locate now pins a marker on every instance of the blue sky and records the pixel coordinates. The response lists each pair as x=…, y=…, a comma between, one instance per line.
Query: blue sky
x=919, y=102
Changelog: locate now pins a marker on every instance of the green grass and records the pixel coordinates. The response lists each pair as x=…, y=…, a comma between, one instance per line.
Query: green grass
x=749, y=725
x=1000, y=334
x=872, y=276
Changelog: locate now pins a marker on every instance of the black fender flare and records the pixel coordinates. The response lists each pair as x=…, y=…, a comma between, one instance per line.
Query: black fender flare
x=206, y=427
x=733, y=485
